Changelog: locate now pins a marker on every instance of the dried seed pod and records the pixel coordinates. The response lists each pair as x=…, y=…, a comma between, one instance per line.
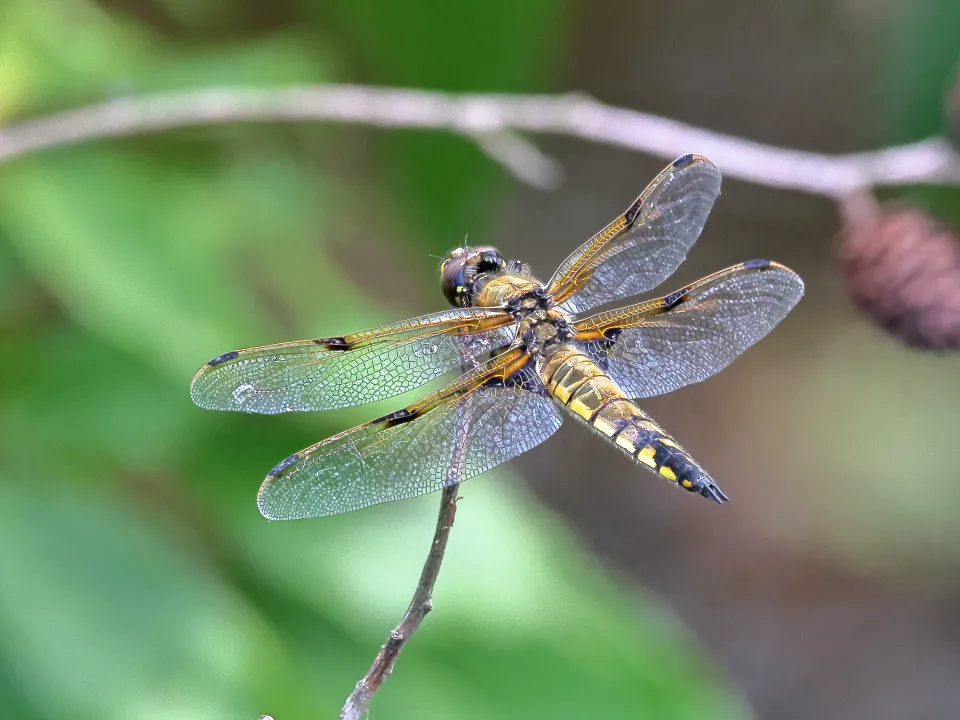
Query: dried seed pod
x=902, y=268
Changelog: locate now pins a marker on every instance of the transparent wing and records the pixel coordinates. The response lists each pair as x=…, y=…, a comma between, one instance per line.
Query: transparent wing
x=481, y=420
x=689, y=335
x=351, y=370
x=645, y=245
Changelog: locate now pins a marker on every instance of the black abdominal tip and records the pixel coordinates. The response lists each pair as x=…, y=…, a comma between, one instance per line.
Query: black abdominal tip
x=712, y=492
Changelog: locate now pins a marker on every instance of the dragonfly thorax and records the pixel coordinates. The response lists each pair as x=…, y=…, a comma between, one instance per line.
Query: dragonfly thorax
x=541, y=325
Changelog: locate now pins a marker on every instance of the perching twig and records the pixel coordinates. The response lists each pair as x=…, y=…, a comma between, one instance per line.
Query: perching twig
x=485, y=116
x=358, y=703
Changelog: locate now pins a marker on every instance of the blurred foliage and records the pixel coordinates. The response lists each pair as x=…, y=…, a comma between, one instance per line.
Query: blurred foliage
x=137, y=578
x=884, y=414
x=920, y=58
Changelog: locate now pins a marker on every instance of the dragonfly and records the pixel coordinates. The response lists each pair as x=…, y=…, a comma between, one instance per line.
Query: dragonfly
x=524, y=353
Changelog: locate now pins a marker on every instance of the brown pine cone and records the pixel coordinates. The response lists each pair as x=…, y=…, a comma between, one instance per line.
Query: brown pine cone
x=902, y=268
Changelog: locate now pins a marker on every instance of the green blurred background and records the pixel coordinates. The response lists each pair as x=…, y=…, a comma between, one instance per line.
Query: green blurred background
x=137, y=579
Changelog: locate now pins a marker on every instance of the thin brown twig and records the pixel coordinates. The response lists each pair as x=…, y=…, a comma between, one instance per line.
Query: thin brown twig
x=495, y=123
x=358, y=702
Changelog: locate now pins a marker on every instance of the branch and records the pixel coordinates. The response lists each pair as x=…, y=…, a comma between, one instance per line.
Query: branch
x=494, y=121
x=358, y=703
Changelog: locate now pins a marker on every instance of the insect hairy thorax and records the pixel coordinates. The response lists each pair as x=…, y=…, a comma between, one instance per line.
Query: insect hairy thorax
x=542, y=327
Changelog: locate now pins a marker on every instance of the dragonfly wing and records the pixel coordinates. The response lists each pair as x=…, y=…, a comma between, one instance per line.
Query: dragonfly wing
x=482, y=419
x=355, y=369
x=645, y=245
x=658, y=346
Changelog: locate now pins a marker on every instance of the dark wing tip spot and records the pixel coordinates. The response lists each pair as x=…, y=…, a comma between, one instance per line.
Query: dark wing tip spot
x=756, y=264
x=283, y=465
x=685, y=161
x=220, y=359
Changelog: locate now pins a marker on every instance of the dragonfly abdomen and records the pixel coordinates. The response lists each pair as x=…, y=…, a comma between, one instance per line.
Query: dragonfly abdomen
x=587, y=391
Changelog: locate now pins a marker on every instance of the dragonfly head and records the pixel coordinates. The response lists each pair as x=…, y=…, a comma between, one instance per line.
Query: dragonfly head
x=461, y=268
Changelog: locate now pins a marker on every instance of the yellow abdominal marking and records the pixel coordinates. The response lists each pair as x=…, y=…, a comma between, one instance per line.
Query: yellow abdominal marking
x=645, y=456
x=668, y=473
x=580, y=384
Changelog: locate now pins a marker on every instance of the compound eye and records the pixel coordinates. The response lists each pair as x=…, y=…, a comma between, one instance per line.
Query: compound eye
x=453, y=281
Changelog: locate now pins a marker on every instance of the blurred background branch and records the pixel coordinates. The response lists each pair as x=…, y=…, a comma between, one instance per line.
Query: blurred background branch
x=492, y=120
